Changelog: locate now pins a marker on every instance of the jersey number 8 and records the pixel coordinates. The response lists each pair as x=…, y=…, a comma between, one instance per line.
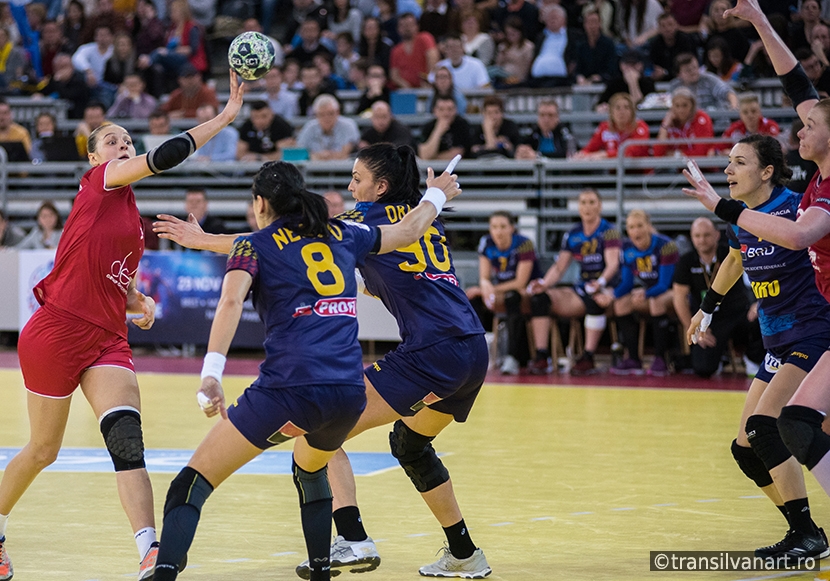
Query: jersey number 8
x=319, y=259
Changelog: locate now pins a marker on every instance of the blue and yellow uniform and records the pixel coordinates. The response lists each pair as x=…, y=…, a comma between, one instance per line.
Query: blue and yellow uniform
x=794, y=316
x=442, y=359
x=305, y=292
x=505, y=262
x=652, y=267
x=589, y=250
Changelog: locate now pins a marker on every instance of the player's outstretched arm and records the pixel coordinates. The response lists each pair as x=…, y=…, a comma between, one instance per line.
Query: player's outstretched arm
x=189, y=234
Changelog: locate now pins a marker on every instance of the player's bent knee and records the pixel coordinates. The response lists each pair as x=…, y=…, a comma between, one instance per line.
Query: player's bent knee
x=595, y=322
x=539, y=305
x=311, y=486
x=417, y=457
x=189, y=487
x=751, y=465
x=801, y=432
x=121, y=428
x=766, y=442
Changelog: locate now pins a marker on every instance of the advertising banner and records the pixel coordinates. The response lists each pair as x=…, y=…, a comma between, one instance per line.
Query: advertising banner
x=33, y=267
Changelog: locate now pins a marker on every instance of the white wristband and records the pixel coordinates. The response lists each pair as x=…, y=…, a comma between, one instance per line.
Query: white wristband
x=436, y=197
x=213, y=366
x=601, y=282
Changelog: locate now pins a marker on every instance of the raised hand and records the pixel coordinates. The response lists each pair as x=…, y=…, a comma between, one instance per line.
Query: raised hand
x=748, y=10
x=701, y=189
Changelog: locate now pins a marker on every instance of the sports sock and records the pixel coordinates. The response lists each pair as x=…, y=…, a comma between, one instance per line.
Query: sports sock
x=783, y=510
x=461, y=545
x=542, y=354
x=349, y=524
x=178, y=531
x=800, y=518
x=629, y=335
x=143, y=539
x=660, y=327
x=4, y=519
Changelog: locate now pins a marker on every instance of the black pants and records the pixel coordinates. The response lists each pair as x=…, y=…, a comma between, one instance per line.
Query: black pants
x=705, y=362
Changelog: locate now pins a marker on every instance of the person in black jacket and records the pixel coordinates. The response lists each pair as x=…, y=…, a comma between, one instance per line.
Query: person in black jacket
x=548, y=138
x=555, y=51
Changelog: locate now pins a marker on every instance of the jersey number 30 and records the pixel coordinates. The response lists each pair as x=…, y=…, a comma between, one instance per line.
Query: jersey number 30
x=319, y=259
x=417, y=248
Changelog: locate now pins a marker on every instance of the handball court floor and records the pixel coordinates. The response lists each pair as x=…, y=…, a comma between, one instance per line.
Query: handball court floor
x=559, y=479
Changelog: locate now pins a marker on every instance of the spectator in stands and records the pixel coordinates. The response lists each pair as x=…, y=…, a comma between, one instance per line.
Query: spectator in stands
x=376, y=88
x=253, y=25
x=514, y=57
x=730, y=28
x=281, y=100
x=638, y=21
x=413, y=57
x=622, y=125
x=346, y=55
x=52, y=42
x=329, y=135
x=684, y=122
x=373, y=45
x=46, y=127
x=548, y=138
x=74, y=22
x=631, y=80
x=820, y=43
x=444, y=86
x=132, y=101
x=525, y=11
x=313, y=87
x=555, y=51
x=102, y=15
x=302, y=10
x=688, y=15
x=477, y=43
x=709, y=90
x=10, y=234
x=310, y=43
x=385, y=128
x=718, y=60
x=94, y=117
x=16, y=62
x=122, y=62
x=159, y=123
x=667, y=45
x=192, y=93
x=358, y=74
x=817, y=72
x=344, y=18
x=439, y=18
x=802, y=31
x=67, y=83
x=91, y=59
x=596, y=55
x=733, y=319
x=447, y=135
x=323, y=62
x=803, y=169
x=335, y=203
x=11, y=131
x=751, y=120
x=263, y=135
x=196, y=205
x=387, y=14
x=291, y=74
x=48, y=230
x=223, y=145
x=467, y=72
x=496, y=135
x=148, y=29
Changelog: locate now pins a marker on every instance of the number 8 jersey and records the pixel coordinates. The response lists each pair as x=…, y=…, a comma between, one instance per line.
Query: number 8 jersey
x=417, y=283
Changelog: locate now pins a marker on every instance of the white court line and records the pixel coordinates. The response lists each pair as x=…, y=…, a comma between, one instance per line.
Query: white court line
x=418, y=535
x=242, y=560
x=284, y=554
x=709, y=500
x=584, y=512
x=543, y=518
x=782, y=575
x=625, y=508
x=501, y=524
x=666, y=504
x=754, y=496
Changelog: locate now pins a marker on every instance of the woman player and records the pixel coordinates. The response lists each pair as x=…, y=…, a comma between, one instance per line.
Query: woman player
x=432, y=377
x=795, y=324
x=78, y=336
x=300, y=266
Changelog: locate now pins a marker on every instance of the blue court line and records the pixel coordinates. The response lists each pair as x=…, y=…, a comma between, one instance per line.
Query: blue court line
x=171, y=461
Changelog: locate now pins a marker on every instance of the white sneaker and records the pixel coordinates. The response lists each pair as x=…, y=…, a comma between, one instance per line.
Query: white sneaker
x=509, y=366
x=473, y=567
x=752, y=368
x=356, y=556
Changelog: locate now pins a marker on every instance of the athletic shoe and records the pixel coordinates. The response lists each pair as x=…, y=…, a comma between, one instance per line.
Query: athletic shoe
x=148, y=563
x=473, y=567
x=752, y=368
x=540, y=366
x=627, y=367
x=584, y=365
x=784, y=544
x=510, y=366
x=658, y=367
x=6, y=569
x=799, y=545
x=356, y=556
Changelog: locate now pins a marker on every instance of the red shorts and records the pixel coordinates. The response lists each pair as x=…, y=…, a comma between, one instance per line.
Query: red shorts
x=55, y=348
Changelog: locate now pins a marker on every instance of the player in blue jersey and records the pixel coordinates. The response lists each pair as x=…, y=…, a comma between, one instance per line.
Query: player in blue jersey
x=795, y=324
x=507, y=262
x=647, y=262
x=300, y=268
x=431, y=379
x=595, y=244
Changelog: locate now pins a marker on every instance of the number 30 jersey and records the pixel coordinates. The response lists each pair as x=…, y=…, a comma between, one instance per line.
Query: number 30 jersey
x=417, y=283
x=305, y=292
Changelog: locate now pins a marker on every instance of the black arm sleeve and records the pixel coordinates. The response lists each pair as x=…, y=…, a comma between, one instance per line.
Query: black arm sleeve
x=171, y=153
x=797, y=86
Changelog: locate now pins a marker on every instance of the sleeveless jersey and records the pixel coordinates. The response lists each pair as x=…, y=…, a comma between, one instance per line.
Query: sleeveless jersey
x=589, y=251
x=790, y=307
x=505, y=262
x=417, y=283
x=817, y=195
x=305, y=292
x=654, y=266
x=98, y=255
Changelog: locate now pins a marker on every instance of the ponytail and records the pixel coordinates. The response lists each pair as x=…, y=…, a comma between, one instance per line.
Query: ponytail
x=398, y=167
x=282, y=185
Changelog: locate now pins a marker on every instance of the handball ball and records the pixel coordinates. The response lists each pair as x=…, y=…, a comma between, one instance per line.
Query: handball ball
x=251, y=55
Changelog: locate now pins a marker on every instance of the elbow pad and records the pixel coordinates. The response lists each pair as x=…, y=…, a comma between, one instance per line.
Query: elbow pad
x=797, y=86
x=171, y=153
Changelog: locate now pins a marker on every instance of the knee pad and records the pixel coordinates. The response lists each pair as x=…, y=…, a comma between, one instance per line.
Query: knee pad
x=417, y=457
x=751, y=465
x=595, y=322
x=188, y=488
x=513, y=303
x=312, y=486
x=766, y=442
x=121, y=428
x=539, y=305
x=801, y=431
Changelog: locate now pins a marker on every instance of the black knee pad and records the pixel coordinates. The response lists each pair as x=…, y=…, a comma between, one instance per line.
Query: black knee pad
x=801, y=431
x=513, y=303
x=311, y=486
x=417, y=457
x=122, y=435
x=751, y=465
x=766, y=442
x=188, y=487
x=539, y=305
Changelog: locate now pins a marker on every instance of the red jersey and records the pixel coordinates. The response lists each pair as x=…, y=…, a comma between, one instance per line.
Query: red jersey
x=697, y=127
x=98, y=255
x=818, y=196
x=609, y=140
x=412, y=66
x=738, y=131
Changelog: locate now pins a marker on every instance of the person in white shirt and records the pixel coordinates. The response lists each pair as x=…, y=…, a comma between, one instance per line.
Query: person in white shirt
x=468, y=72
x=91, y=60
x=553, y=59
x=281, y=100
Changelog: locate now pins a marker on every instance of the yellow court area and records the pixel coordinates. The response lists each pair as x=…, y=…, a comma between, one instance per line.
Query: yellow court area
x=556, y=483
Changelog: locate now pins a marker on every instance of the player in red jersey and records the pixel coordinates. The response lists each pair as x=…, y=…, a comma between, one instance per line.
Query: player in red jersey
x=79, y=335
x=800, y=421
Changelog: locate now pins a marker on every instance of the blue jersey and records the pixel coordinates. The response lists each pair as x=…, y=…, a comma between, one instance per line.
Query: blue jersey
x=305, y=292
x=654, y=266
x=417, y=283
x=589, y=250
x=505, y=262
x=790, y=307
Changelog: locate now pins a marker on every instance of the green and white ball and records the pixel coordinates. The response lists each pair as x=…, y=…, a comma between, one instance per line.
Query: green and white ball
x=251, y=55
